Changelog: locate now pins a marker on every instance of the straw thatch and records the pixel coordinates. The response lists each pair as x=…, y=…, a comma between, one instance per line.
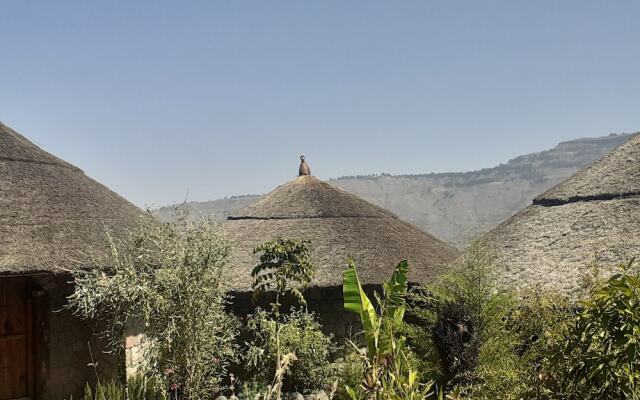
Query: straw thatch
x=50, y=211
x=594, y=214
x=338, y=224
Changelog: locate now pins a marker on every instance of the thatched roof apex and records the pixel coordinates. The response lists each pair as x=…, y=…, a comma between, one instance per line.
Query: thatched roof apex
x=309, y=197
x=595, y=213
x=338, y=224
x=50, y=210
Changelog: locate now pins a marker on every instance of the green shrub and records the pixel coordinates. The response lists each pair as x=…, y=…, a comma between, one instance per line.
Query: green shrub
x=301, y=335
x=601, y=358
x=540, y=322
x=483, y=340
x=350, y=370
x=453, y=318
x=491, y=344
x=167, y=276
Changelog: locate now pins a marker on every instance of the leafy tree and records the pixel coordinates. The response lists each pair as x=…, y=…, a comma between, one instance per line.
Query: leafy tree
x=285, y=266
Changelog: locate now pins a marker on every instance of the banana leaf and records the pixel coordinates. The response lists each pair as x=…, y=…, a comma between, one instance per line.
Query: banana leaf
x=356, y=301
x=395, y=291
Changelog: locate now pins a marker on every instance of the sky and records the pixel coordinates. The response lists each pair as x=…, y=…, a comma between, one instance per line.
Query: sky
x=164, y=101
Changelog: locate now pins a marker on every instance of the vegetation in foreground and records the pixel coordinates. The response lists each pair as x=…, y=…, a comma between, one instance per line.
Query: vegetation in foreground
x=166, y=280
x=461, y=337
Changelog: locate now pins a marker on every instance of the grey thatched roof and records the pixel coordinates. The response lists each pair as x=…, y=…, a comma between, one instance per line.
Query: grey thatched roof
x=338, y=224
x=50, y=210
x=616, y=175
x=596, y=212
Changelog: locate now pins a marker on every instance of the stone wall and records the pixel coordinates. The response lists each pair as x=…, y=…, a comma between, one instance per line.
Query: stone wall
x=70, y=346
x=135, y=343
x=327, y=303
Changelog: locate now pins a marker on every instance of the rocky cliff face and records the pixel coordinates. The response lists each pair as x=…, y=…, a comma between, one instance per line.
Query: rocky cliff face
x=456, y=207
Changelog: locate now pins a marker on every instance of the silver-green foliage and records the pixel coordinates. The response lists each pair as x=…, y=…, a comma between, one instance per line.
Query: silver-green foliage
x=167, y=278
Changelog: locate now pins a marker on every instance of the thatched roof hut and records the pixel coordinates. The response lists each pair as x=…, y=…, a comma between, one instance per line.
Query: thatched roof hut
x=595, y=213
x=50, y=210
x=338, y=224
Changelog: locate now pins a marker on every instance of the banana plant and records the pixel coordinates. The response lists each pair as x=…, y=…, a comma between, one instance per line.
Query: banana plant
x=393, y=307
x=356, y=301
x=378, y=329
x=389, y=374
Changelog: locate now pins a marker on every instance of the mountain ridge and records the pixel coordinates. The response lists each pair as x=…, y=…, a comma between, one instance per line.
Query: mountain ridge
x=457, y=207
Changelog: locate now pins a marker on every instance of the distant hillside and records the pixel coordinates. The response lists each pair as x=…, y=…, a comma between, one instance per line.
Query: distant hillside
x=455, y=207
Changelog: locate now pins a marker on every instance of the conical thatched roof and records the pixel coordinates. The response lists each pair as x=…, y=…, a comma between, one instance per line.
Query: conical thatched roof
x=338, y=224
x=50, y=210
x=596, y=212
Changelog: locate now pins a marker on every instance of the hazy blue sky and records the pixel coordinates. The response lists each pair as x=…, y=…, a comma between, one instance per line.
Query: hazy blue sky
x=157, y=98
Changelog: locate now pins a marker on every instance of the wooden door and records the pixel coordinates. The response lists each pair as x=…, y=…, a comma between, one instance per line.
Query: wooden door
x=16, y=370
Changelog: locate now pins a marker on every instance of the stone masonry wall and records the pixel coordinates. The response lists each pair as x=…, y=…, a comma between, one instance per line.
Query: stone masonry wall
x=71, y=345
x=327, y=303
x=135, y=343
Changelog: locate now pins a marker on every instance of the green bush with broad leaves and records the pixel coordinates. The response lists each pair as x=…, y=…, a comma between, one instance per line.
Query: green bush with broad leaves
x=601, y=357
x=285, y=267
